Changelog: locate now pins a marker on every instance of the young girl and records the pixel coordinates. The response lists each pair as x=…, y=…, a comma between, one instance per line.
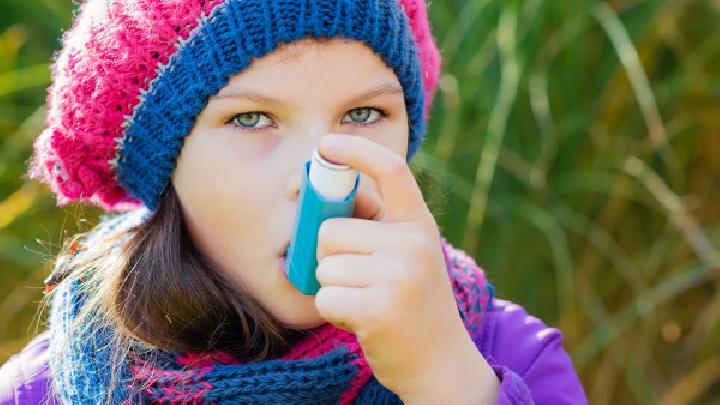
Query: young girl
x=191, y=120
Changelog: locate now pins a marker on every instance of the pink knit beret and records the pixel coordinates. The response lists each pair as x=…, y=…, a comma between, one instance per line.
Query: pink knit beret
x=115, y=55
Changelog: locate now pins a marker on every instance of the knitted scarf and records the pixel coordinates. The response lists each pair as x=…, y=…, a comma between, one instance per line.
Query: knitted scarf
x=325, y=366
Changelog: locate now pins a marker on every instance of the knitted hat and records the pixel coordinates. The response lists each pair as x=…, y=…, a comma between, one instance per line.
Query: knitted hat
x=134, y=74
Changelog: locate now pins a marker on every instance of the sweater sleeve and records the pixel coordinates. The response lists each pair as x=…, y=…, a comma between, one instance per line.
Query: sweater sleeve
x=528, y=358
x=25, y=377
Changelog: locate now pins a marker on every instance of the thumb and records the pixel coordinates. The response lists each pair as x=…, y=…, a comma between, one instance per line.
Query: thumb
x=368, y=203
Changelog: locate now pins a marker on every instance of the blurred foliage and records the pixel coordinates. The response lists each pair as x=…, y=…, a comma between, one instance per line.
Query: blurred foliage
x=573, y=150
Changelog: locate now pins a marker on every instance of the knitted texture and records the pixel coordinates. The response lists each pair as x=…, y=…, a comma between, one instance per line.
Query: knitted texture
x=133, y=75
x=327, y=366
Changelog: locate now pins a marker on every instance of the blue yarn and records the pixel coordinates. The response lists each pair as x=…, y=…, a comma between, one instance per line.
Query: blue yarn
x=310, y=381
x=81, y=369
x=81, y=372
x=79, y=363
x=491, y=293
x=82, y=376
x=375, y=393
x=225, y=43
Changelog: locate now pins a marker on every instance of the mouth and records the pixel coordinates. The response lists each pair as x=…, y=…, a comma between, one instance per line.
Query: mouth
x=282, y=265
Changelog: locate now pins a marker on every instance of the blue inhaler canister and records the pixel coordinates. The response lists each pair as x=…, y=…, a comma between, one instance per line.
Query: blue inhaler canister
x=328, y=191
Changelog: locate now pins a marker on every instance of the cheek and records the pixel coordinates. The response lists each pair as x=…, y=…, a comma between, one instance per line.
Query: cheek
x=252, y=148
x=400, y=143
x=393, y=135
x=225, y=202
x=219, y=187
x=215, y=167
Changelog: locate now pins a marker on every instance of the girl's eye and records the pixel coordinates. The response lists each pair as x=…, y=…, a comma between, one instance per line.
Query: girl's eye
x=251, y=120
x=364, y=115
x=257, y=121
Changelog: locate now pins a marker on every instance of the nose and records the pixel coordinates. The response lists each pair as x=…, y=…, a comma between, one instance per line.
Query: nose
x=294, y=183
x=304, y=142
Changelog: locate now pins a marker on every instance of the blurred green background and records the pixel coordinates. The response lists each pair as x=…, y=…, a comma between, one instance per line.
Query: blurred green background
x=574, y=150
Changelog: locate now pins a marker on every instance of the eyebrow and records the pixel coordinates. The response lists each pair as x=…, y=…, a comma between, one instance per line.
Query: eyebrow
x=240, y=94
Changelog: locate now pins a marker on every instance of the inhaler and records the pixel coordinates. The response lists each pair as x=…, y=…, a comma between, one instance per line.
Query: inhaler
x=328, y=190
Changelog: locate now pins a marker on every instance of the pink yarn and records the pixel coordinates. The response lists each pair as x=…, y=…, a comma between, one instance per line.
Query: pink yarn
x=109, y=56
x=429, y=56
x=468, y=282
x=113, y=52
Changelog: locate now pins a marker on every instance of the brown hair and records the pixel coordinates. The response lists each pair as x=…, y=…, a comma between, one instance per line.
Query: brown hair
x=180, y=302
x=160, y=291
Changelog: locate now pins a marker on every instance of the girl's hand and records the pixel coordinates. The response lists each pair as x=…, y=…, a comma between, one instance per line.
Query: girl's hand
x=385, y=280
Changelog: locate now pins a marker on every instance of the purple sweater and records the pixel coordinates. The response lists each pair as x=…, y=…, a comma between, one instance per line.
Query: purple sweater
x=527, y=356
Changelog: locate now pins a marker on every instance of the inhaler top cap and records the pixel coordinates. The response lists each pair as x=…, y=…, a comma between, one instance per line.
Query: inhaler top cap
x=331, y=180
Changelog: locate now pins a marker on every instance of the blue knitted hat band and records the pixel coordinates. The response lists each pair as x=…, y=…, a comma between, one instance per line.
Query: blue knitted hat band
x=223, y=45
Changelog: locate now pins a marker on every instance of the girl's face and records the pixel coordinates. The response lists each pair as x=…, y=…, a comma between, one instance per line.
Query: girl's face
x=239, y=173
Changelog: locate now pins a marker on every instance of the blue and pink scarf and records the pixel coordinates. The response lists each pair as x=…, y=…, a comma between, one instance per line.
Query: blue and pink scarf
x=326, y=366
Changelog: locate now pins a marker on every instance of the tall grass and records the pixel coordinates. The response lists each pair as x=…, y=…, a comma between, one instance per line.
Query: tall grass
x=573, y=150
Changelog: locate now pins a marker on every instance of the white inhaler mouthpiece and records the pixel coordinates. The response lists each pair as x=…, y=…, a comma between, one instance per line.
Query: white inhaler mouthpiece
x=332, y=181
x=328, y=191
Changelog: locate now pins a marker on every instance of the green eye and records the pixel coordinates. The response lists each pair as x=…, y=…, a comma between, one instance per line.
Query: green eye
x=251, y=120
x=360, y=114
x=363, y=115
x=248, y=119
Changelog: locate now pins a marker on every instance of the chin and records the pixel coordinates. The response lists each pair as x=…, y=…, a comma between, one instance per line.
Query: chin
x=300, y=316
x=306, y=324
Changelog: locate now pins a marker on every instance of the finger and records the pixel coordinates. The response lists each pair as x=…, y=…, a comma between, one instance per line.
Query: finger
x=344, y=307
x=401, y=195
x=348, y=270
x=358, y=236
x=368, y=203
